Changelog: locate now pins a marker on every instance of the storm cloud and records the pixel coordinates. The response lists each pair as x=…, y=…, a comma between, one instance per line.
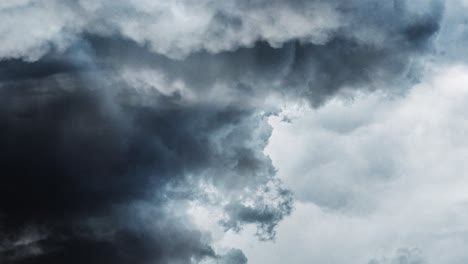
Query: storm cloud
x=305, y=49
x=75, y=152
x=117, y=116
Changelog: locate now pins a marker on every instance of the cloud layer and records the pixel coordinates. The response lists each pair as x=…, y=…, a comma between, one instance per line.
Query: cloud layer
x=117, y=118
x=81, y=153
x=373, y=175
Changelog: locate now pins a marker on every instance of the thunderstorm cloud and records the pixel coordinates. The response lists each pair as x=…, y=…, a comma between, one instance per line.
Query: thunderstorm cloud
x=232, y=132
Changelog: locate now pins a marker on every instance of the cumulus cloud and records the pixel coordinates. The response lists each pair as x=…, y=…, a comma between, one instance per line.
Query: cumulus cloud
x=117, y=116
x=78, y=159
x=305, y=49
x=374, y=174
x=348, y=152
x=180, y=28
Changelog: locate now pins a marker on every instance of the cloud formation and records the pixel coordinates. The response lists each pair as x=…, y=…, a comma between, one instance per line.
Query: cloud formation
x=116, y=116
x=305, y=49
x=183, y=27
x=372, y=175
x=77, y=156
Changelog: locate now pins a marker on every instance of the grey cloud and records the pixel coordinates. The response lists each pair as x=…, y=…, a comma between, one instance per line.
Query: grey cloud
x=73, y=150
x=178, y=29
x=335, y=158
x=108, y=104
x=402, y=256
x=315, y=73
x=234, y=256
x=174, y=29
x=451, y=40
x=297, y=49
x=266, y=212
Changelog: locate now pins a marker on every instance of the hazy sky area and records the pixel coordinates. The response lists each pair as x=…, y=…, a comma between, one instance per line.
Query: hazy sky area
x=233, y=132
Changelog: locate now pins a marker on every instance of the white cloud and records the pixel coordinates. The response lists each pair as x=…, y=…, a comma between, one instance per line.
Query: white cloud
x=179, y=28
x=31, y=28
x=374, y=175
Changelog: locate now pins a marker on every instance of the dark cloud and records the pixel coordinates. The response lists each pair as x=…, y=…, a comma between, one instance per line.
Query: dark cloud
x=111, y=110
x=167, y=243
x=266, y=217
x=352, y=59
x=74, y=151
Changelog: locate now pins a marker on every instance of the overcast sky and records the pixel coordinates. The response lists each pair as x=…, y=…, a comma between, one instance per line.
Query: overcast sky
x=233, y=132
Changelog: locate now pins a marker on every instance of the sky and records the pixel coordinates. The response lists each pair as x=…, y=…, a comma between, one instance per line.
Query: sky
x=233, y=132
